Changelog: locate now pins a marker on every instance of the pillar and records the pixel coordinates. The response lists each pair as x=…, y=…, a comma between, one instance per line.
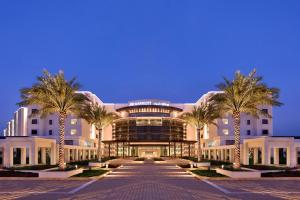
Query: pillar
x=108, y=151
x=117, y=154
x=181, y=149
x=33, y=158
x=255, y=156
x=169, y=149
x=245, y=154
x=76, y=154
x=276, y=156
x=67, y=155
x=123, y=150
x=53, y=154
x=265, y=154
x=291, y=158
x=222, y=155
x=23, y=156
x=209, y=154
x=215, y=154
x=175, y=149
x=6, y=156
x=83, y=154
x=230, y=155
x=43, y=155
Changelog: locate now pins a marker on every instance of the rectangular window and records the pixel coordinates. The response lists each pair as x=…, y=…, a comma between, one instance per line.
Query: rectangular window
x=50, y=132
x=73, y=131
x=248, y=122
x=34, y=132
x=69, y=142
x=34, y=111
x=50, y=122
x=73, y=121
x=265, y=132
x=225, y=131
x=265, y=121
x=225, y=121
x=229, y=142
x=34, y=121
x=248, y=132
x=265, y=111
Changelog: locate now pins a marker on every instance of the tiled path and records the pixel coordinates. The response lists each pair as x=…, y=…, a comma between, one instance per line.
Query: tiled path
x=150, y=181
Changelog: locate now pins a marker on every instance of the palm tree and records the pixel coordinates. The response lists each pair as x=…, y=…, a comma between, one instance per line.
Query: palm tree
x=98, y=116
x=244, y=94
x=54, y=94
x=204, y=114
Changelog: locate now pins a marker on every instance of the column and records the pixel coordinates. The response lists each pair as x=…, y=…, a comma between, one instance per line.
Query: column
x=83, y=154
x=175, y=149
x=67, y=155
x=33, y=159
x=265, y=154
x=169, y=149
x=89, y=154
x=43, y=155
x=276, y=156
x=245, y=154
x=209, y=154
x=123, y=149
x=181, y=150
x=117, y=153
x=23, y=156
x=53, y=154
x=230, y=155
x=215, y=154
x=76, y=154
x=222, y=155
x=255, y=156
x=6, y=156
x=291, y=159
x=108, y=150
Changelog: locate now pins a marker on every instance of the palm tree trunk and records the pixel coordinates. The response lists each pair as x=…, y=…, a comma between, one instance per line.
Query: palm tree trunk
x=237, y=141
x=61, y=151
x=100, y=145
x=199, y=151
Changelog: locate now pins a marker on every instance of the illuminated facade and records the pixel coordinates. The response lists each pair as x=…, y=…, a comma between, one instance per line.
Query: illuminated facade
x=145, y=128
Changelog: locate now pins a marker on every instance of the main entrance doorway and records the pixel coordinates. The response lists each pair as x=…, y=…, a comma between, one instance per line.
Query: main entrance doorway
x=149, y=152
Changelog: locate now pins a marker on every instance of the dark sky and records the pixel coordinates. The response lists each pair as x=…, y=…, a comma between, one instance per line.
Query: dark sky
x=173, y=50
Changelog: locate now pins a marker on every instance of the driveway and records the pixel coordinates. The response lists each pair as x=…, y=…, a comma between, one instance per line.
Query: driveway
x=150, y=181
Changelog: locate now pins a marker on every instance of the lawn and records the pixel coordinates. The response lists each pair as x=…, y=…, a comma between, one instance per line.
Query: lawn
x=140, y=159
x=34, y=167
x=207, y=173
x=91, y=173
x=265, y=167
x=12, y=173
x=184, y=165
x=158, y=159
x=230, y=168
x=282, y=174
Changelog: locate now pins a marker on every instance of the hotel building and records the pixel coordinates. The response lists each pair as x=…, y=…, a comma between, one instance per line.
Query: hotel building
x=146, y=128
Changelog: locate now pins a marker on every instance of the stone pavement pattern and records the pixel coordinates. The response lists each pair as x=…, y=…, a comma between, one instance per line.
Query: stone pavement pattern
x=151, y=181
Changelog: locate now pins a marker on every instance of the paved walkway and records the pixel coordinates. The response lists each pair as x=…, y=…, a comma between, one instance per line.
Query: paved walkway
x=150, y=181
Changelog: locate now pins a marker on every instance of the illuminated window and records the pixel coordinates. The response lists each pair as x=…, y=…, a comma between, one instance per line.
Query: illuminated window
x=73, y=121
x=73, y=131
x=225, y=131
x=225, y=121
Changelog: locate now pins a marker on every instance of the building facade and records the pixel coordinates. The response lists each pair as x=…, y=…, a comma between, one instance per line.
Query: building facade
x=145, y=128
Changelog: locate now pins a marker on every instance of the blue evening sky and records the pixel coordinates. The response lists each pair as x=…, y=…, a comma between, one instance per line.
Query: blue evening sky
x=173, y=50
